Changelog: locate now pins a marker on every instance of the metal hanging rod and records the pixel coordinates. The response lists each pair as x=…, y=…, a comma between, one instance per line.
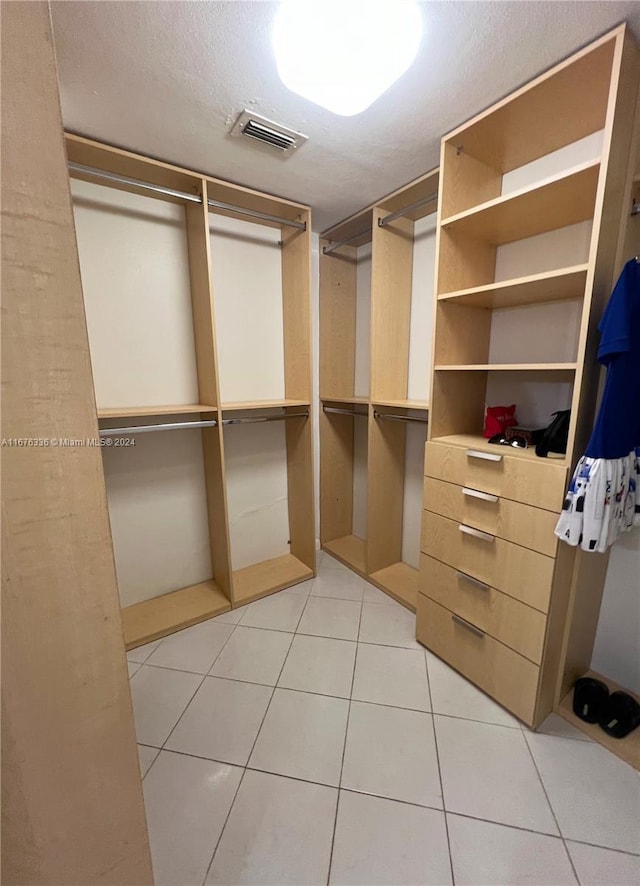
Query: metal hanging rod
x=146, y=429
x=261, y=418
x=183, y=195
x=391, y=417
x=337, y=411
x=430, y=198
x=327, y=250
x=252, y=213
x=125, y=180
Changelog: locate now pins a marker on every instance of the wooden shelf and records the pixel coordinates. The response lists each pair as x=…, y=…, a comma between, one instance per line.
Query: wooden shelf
x=267, y=577
x=139, y=411
x=552, y=203
x=628, y=749
x=350, y=550
x=262, y=404
x=400, y=581
x=476, y=441
x=152, y=619
x=560, y=285
x=508, y=367
x=422, y=405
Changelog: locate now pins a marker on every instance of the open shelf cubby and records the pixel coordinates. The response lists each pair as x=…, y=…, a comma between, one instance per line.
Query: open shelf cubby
x=376, y=303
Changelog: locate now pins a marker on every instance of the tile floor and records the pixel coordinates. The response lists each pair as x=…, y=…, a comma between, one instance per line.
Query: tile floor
x=309, y=739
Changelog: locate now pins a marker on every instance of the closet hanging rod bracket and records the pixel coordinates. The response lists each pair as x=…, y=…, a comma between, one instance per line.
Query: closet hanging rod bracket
x=254, y=419
x=169, y=426
x=327, y=250
x=182, y=195
x=390, y=416
x=385, y=220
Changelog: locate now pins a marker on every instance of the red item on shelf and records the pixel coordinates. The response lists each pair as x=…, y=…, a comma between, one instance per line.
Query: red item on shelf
x=498, y=418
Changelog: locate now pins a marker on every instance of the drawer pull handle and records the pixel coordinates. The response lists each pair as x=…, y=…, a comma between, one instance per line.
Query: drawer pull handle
x=467, y=625
x=475, y=493
x=487, y=456
x=472, y=580
x=476, y=533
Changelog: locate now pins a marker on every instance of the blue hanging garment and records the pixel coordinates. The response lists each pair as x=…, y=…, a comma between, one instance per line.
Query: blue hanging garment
x=604, y=494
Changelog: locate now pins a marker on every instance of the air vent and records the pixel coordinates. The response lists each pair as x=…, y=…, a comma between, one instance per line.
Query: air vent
x=273, y=134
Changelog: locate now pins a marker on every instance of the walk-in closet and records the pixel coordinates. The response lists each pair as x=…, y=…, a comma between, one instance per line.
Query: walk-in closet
x=321, y=451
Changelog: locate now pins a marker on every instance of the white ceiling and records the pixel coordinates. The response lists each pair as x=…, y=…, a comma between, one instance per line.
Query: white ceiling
x=168, y=79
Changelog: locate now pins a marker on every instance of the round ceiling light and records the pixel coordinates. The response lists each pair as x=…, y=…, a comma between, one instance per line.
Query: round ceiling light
x=343, y=54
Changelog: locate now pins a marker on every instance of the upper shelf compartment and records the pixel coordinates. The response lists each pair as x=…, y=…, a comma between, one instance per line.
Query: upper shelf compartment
x=530, y=124
x=555, y=202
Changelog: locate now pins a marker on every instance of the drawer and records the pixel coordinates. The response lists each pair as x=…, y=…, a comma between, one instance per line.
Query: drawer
x=503, y=674
x=537, y=482
x=523, y=574
x=519, y=627
x=523, y=525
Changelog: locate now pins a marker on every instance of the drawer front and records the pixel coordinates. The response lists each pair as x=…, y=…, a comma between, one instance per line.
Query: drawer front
x=503, y=674
x=519, y=572
x=519, y=627
x=540, y=483
x=523, y=525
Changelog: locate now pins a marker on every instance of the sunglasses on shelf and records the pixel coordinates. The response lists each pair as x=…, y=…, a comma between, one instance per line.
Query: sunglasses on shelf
x=518, y=441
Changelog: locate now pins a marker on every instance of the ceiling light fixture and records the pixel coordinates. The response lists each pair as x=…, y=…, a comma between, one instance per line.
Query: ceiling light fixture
x=343, y=54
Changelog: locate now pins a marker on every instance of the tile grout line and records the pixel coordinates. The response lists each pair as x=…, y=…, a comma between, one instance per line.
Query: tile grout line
x=204, y=677
x=344, y=746
x=435, y=742
x=245, y=768
x=553, y=812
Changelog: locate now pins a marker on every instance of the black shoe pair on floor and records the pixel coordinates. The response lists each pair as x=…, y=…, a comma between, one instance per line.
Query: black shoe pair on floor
x=617, y=712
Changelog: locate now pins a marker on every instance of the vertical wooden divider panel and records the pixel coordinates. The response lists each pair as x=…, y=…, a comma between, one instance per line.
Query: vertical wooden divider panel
x=391, y=271
x=338, y=296
x=72, y=802
x=296, y=310
x=385, y=501
x=197, y=222
x=336, y=476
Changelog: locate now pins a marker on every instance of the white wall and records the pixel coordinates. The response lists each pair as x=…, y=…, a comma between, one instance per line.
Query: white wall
x=616, y=652
x=246, y=272
x=135, y=279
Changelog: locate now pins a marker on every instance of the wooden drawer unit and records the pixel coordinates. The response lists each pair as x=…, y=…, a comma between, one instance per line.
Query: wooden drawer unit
x=506, y=676
x=536, y=482
x=523, y=574
x=523, y=525
x=519, y=627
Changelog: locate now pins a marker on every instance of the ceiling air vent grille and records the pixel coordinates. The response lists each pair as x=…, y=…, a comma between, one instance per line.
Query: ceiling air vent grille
x=269, y=133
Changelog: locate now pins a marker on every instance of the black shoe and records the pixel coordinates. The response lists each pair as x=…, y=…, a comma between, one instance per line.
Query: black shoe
x=589, y=699
x=620, y=715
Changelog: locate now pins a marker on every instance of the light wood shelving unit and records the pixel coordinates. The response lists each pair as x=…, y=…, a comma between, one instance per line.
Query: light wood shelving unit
x=378, y=557
x=227, y=588
x=468, y=576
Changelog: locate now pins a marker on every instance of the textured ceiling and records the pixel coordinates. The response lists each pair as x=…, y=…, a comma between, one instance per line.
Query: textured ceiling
x=168, y=79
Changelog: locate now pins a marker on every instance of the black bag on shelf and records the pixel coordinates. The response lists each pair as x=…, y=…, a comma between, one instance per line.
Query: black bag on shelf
x=553, y=440
x=589, y=699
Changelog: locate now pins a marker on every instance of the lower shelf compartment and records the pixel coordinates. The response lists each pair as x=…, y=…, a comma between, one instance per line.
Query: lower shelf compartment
x=269, y=576
x=350, y=550
x=400, y=581
x=152, y=619
x=628, y=749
